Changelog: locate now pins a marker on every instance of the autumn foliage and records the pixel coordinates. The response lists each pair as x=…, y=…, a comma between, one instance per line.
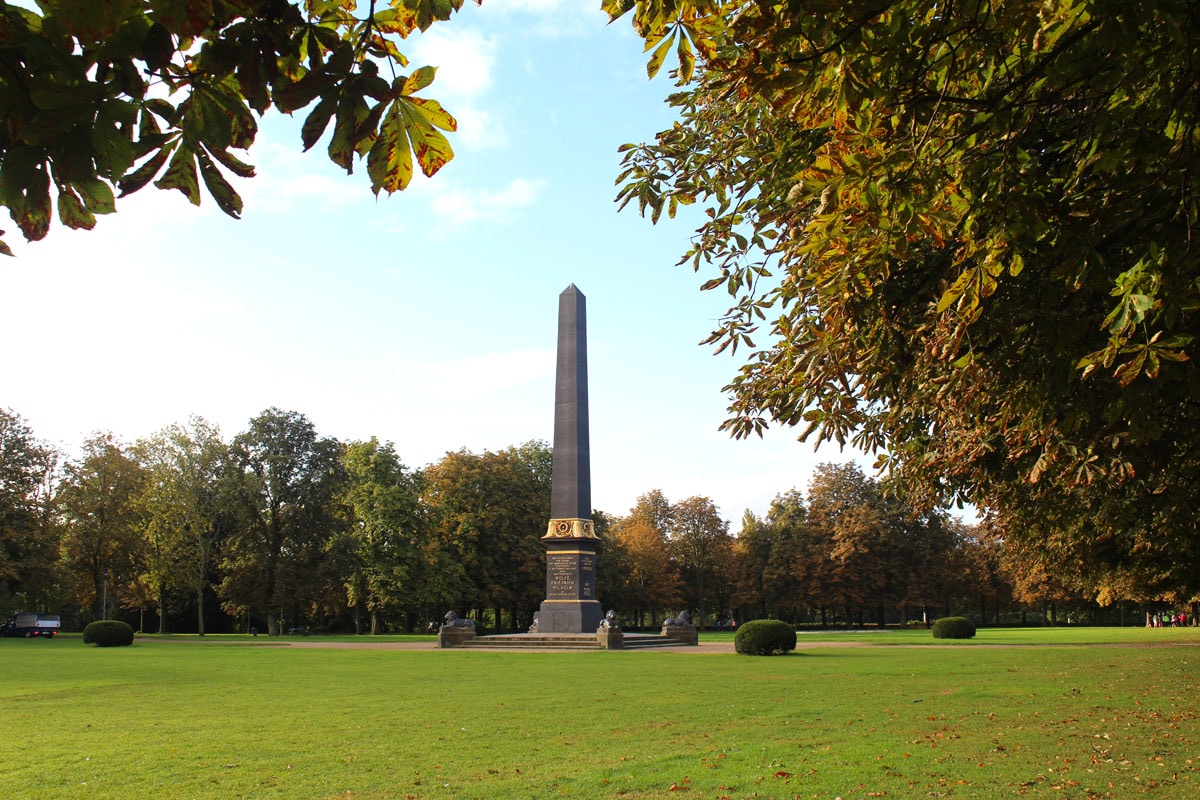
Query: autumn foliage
x=960, y=237
x=100, y=99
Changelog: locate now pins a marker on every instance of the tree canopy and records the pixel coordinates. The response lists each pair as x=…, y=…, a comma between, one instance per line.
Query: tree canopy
x=957, y=235
x=288, y=498
x=101, y=99
x=960, y=236
x=27, y=536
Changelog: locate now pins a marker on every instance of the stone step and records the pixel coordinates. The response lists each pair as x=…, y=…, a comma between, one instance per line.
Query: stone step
x=564, y=641
x=649, y=643
x=521, y=641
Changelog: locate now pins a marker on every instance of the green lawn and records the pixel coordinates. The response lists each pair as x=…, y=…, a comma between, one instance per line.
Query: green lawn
x=1086, y=713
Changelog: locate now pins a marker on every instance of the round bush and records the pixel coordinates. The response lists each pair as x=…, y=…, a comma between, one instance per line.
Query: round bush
x=953, y=628
x=764, y=637
x=108, y=633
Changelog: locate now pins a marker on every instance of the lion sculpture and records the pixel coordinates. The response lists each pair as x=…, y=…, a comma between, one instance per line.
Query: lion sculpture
x=684, y=618
x=453, y=620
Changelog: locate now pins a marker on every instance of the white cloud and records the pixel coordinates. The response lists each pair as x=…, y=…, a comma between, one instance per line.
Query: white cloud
x=554, y=18
x=535, y=6
x=477, y=129
x=287, y=177
x=457, y=205
x=429, y=404
x=464, y=57
x=110, y=336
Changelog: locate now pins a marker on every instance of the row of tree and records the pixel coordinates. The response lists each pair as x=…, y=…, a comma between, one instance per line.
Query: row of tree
x=281, y=527
x=277, y=524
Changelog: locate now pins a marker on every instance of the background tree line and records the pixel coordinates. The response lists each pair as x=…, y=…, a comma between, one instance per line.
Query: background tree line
x=280, y=527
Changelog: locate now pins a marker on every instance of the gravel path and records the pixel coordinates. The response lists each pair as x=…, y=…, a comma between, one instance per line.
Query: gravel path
x=700, y=649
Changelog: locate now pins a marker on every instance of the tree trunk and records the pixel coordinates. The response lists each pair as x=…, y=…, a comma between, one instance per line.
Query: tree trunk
x=200, y=609
x=162, y=609
x=200, y=591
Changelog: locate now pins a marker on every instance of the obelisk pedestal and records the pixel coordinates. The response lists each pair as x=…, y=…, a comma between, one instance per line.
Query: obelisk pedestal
x=571, y=542
x=570, y=605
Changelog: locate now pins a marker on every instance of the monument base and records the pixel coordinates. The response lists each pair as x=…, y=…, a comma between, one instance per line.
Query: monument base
x=569, y=616
x=684, y=634
x=611, y=638
x=454, y=636
x=570, y=605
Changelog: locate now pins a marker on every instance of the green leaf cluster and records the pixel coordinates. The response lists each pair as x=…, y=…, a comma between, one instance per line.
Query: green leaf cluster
x=28, y=542
x=98, y=97
x=960, y=237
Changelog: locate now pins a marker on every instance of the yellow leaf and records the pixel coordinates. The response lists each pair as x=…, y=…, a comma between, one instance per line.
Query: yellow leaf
x=418, y=80
x=658, y=56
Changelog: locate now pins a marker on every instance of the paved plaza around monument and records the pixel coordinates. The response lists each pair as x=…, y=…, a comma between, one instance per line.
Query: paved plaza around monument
x=702, y=648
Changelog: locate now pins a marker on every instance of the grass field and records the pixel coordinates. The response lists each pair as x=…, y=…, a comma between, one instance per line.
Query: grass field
x=1063, y=713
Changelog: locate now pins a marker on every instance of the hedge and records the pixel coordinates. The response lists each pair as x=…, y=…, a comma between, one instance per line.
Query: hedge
x=108, y=633
x=953, y=628
x=764, y=637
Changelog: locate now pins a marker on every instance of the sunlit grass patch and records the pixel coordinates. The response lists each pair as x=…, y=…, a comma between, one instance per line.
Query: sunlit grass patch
x=177, y=720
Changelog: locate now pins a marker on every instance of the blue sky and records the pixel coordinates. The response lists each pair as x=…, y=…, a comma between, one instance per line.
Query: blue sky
x=426, y=318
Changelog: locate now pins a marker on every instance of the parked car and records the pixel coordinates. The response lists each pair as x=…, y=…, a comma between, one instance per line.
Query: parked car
x=29, y=625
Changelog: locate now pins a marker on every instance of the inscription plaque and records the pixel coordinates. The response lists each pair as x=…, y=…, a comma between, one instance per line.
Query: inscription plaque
x=570, y=576
x=562, y=574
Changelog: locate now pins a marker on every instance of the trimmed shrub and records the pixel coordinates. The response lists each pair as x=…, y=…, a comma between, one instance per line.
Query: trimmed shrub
x=764, y=637
x=953, y=628
x=108, y=633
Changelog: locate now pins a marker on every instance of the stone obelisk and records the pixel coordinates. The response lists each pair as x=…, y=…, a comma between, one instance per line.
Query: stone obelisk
x=571, y=542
